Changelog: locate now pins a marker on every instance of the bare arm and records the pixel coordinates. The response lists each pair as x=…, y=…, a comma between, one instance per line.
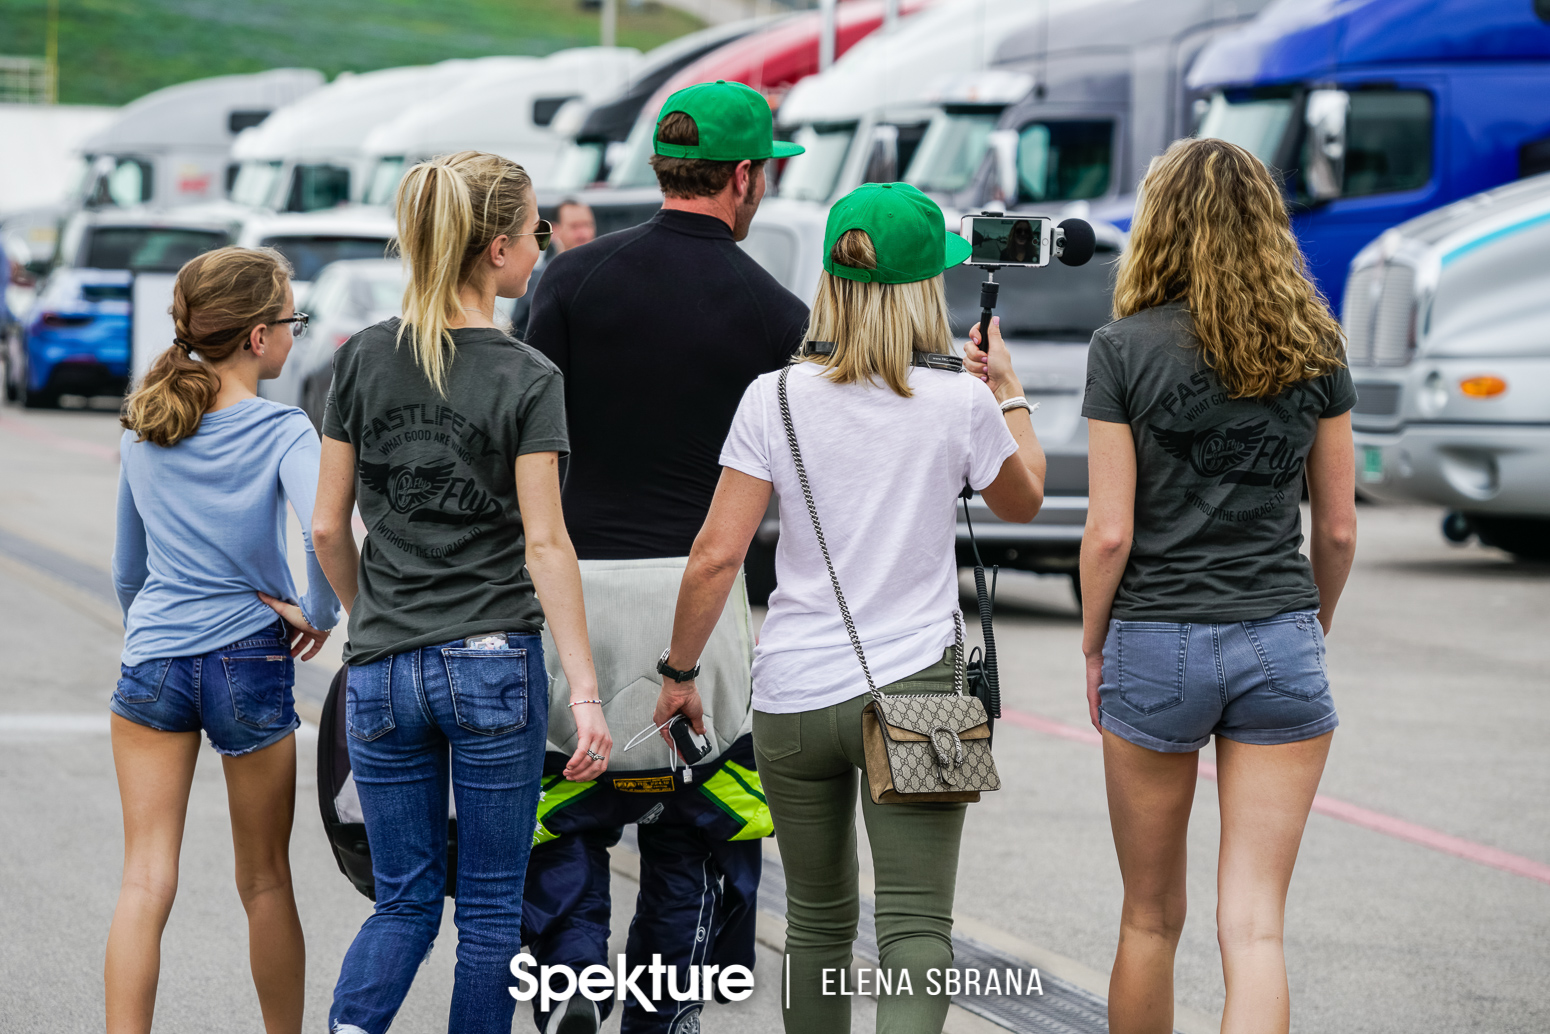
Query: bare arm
x=1018, y=491
x=1332, y=494
x=1106, y=541
x=332, y=539
x=717, y=556
x=551, y=560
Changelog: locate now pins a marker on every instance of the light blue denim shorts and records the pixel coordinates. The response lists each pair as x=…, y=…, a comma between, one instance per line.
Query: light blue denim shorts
x=1171, y=686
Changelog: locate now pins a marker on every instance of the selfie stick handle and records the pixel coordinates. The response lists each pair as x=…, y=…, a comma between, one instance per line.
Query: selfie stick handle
x=988, y=292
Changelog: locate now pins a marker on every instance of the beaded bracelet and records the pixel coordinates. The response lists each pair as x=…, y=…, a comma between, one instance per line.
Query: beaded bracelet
x=573, y=703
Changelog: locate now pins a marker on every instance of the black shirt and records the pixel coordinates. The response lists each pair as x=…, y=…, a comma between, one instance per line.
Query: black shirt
x=658, y=330
x=1218, y=530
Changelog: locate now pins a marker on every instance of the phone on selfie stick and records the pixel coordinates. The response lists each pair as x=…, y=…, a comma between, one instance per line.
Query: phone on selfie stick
x=997, y=241
x=1022, y=241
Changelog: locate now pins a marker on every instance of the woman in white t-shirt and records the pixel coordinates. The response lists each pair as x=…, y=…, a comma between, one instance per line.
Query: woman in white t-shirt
x=887, y=446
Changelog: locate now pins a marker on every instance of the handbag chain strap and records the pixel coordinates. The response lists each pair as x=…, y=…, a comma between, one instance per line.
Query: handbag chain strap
x=834, y=579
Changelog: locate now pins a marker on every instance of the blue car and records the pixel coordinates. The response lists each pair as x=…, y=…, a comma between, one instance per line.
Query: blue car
x=76, y=340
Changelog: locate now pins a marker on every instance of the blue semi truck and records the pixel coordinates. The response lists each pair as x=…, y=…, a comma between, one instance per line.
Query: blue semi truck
x=1375, y=111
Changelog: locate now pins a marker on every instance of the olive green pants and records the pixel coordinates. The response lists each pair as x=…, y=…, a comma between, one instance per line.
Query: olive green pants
x=809, y=763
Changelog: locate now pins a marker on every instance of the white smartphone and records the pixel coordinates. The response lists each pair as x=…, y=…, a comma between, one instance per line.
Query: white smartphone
x=1016, y=240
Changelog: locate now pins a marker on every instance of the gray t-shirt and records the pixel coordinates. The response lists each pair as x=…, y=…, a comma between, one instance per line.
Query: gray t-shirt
x=435, y=481
x=1218, y=529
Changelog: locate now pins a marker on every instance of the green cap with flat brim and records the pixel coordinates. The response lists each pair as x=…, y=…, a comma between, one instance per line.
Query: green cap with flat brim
x=908, y=232
x=734, y=121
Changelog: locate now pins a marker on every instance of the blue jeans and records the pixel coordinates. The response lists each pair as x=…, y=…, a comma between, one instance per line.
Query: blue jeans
x=488, y=710
x=240, y=695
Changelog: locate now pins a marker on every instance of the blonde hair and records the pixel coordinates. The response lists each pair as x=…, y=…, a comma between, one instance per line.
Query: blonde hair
x=218, y=299
x=1211, y=229
x=450, y=209
x=876, y=328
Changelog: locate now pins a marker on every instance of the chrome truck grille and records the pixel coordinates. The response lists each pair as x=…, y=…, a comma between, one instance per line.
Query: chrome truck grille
x=1379, y=316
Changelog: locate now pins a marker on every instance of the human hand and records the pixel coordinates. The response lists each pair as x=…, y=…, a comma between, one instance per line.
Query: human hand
x=591, y=735
x=1094, y=680
x=679, y=698
x=994, y=366
x=301, y=635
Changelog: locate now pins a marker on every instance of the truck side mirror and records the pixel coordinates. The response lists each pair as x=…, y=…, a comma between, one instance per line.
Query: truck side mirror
x=1003, y=148
x=1324, y=165
x=883, y=164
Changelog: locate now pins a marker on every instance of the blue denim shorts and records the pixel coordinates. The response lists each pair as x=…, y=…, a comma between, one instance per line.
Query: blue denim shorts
x=1169, y=686
x=240, y=695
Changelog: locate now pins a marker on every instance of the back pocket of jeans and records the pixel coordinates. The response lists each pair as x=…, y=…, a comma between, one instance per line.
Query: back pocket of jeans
x=1149, y=663
x=258, y=683
x=489, y=688
x=368, y=702
x=141, y=684
x=1291, y=650
x=776, y=736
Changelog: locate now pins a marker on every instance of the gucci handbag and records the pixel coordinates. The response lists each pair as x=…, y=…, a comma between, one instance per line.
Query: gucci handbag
x=920, y=747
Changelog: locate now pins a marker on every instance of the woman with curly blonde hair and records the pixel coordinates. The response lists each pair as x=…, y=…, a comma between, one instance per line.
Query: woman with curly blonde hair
x=1215, y=396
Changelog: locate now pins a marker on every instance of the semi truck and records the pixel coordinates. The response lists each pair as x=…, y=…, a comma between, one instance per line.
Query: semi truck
x=308, y=156
x=1447, y=319
x=1376, y=111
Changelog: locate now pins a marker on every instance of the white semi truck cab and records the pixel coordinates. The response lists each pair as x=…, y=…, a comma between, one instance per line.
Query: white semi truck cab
x=1448, y=324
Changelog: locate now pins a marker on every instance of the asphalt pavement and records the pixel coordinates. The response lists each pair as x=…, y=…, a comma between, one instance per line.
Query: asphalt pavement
x=1421, y=900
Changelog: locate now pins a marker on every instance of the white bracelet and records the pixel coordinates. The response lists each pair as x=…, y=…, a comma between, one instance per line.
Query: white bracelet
x=1020, y=402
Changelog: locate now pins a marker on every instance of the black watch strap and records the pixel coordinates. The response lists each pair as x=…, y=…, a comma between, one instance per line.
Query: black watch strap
x=668, y=672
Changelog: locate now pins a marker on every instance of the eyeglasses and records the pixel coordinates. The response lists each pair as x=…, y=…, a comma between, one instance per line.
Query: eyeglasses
x=300, y=319
x=540, y=234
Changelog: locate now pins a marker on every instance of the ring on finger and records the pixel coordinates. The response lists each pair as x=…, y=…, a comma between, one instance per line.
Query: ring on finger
x=595, y=756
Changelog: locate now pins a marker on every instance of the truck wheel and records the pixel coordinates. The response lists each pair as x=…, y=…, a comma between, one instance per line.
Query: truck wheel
x=1527, y=538
x=759, y=573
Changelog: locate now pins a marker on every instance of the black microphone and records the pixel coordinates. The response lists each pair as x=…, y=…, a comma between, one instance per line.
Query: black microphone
x=1080, y=242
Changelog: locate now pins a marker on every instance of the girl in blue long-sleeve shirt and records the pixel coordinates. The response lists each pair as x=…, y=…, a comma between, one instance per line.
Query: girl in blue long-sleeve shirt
x=213, y=620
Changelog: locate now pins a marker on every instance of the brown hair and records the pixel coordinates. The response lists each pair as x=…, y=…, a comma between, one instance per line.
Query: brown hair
x=686, y=178
x=450, y=210
x=876, y=328
x=1211, y=229
x=218, y=299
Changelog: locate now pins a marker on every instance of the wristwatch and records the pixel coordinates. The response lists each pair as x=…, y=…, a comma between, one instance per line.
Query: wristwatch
x=673, y=673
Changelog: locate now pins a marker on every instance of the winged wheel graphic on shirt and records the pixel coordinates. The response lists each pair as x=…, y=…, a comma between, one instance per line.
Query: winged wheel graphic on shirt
x=1213, y=451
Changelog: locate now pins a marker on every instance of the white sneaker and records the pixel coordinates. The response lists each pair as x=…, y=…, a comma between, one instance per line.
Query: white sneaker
x=577, y=1015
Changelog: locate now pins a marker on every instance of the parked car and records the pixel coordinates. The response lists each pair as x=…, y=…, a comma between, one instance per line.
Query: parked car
x=312, y=241
x=76, y=340
x=1375, y=112
x=1448, y=324
x=348, y=296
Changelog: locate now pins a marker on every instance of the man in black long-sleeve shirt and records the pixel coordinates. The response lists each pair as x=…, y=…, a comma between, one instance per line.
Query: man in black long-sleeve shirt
x=658, y=330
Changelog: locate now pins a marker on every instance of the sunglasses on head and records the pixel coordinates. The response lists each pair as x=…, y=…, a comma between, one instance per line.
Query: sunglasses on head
x=541, y=234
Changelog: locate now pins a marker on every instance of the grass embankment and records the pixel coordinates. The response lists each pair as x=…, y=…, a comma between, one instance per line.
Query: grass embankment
x=112, y=51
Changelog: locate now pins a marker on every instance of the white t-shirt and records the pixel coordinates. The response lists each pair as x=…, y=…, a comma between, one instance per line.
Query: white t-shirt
x=886, y=473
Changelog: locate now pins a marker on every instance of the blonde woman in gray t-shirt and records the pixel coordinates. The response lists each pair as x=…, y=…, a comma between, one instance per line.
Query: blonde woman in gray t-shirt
x=1217, y=393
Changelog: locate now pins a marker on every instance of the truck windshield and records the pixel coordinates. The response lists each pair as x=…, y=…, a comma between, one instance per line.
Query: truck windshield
x=309, y=254
x=634, y=169
x=147, y=249
x=579, y=166
x=1064, y=161
x=318, y=187
x=951, y=150
x=811, y=176
x=255, y=183
x=1256, y=123
x=384, y=180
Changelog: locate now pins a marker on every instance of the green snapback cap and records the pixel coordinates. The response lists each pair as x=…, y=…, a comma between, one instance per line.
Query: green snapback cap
x=734, y=121
x=907, y=229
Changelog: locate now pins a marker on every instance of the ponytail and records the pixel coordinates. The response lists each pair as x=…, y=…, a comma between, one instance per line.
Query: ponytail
x=218, y=299
x=442, y=231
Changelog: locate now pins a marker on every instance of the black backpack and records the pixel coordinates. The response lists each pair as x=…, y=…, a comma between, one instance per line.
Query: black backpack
x=336, y=793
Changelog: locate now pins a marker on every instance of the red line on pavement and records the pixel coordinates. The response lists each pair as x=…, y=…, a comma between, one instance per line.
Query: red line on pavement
x=1333, y=807
x=28, y=429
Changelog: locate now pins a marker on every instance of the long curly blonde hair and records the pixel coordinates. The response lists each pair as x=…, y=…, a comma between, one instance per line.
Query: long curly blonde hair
x=1211, y=229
